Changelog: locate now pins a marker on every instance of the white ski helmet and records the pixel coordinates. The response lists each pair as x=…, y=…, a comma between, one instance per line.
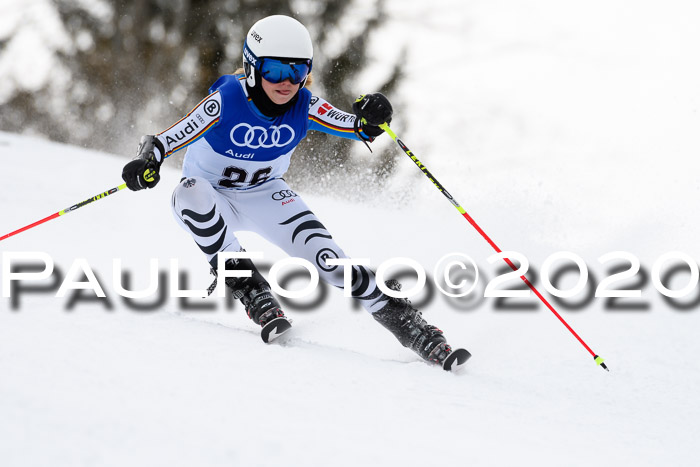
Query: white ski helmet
x=279, y=37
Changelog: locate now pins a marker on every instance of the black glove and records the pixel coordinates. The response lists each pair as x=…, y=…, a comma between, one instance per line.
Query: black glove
x=142, y=172
x=372, y=110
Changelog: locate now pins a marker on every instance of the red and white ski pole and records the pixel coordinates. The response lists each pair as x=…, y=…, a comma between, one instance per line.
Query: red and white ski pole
x=65, y=211
x=438, y=185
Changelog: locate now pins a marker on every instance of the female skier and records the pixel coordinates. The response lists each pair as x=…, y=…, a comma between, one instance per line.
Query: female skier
x=240, y=139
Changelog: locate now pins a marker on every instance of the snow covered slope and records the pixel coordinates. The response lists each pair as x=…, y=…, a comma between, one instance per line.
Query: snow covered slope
x=98, y=385
x=559, y=127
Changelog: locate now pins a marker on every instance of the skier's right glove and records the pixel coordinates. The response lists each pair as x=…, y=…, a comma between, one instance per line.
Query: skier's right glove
x=142, y=172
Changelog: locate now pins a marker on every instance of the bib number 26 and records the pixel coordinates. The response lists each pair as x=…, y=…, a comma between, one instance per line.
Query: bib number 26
x=237, y=177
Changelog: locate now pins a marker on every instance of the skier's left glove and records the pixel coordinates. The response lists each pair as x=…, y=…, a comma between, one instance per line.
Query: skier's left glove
x=142, y=172
x=372, y=110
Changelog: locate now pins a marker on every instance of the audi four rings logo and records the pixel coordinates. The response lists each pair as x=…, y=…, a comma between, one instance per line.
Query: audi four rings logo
x=280, y=195
x=256, y=137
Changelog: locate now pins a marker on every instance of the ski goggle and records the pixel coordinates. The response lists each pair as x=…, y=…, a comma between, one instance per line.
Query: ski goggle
x=276, y=70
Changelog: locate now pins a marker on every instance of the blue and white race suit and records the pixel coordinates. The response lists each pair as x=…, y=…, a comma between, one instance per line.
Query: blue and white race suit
x=232, y=179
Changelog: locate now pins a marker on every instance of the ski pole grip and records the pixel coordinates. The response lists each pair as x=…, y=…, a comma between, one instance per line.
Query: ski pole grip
x=148, y=175
x=385, y=126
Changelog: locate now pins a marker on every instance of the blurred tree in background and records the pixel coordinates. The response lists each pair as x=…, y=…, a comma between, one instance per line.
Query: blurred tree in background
x=116, y=69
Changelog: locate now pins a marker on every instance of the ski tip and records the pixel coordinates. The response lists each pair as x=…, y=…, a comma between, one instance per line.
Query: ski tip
x=455, y=359
x=274, y=329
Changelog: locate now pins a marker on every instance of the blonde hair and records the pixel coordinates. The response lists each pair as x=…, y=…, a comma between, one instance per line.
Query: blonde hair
x=309, y=79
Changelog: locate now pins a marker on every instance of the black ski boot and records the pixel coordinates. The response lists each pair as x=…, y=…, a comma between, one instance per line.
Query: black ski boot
x=253, y=292
x=412, y=331
x=260, y=305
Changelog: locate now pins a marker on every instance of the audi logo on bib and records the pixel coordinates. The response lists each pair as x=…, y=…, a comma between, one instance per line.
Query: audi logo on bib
x=256, y=137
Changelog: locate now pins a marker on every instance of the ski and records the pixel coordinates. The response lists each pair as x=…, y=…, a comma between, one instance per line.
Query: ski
x=455, y=359
x=275, y=328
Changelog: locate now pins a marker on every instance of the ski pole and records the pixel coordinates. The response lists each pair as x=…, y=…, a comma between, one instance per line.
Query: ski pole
x=65, y=211
x=438, y=185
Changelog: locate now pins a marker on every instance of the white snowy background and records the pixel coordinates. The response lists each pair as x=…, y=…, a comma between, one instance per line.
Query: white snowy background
x=557, y=125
